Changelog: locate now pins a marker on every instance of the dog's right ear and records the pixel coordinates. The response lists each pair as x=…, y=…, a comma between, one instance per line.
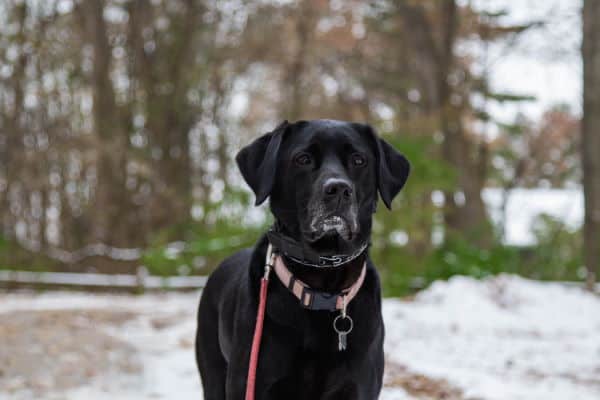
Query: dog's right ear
x=258, y=161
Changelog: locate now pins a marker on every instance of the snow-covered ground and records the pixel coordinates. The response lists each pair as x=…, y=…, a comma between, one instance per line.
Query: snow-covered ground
x=502, y=338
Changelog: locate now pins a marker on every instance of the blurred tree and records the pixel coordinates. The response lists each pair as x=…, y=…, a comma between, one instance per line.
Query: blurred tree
x=110, y=195
x=119, y=120
x=92, y=186
x=591, y=137
x=434, y=32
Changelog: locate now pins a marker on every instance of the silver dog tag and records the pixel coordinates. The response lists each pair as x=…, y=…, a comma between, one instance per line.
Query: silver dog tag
x=342, y=342
x=342, y=331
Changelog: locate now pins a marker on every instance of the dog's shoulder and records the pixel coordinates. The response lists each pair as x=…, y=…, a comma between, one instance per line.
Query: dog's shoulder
x=224, y=282
x=230, y=268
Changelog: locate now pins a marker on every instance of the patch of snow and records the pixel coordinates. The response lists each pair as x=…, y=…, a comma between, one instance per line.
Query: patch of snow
x=395, y=394
x=501, y=338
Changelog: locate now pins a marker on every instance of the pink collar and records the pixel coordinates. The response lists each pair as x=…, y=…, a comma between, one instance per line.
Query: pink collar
x=316, y=299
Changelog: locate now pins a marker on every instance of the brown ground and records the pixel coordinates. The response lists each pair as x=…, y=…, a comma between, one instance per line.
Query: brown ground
x=57, y=350
x=420, y=386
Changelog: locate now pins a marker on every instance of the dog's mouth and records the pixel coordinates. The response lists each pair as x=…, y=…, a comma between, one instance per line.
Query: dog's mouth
x=332, y=228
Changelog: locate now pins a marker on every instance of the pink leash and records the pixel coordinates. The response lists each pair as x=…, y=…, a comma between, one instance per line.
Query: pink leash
x=260, y=318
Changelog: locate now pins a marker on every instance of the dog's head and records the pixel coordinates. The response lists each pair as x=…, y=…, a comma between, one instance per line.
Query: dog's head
x=322, y=178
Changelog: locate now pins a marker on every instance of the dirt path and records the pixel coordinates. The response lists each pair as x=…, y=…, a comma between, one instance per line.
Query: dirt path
x=420, y=386
x=55, y=350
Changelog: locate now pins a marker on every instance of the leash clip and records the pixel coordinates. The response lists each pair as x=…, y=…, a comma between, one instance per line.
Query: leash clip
x=269, y=261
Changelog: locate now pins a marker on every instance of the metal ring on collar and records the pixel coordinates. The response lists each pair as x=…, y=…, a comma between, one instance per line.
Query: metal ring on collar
x=339, y=331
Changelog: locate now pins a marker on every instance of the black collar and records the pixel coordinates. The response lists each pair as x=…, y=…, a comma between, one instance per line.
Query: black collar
x=301, y=254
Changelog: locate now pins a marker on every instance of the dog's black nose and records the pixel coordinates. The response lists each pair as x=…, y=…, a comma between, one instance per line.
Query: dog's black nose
x=334, y=187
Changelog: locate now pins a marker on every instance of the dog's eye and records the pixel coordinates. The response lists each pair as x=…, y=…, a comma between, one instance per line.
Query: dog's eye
x=358, y=159
x=303, y=159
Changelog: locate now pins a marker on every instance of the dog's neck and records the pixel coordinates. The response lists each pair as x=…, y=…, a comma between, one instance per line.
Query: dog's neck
x=332, y=279
x=329, y=279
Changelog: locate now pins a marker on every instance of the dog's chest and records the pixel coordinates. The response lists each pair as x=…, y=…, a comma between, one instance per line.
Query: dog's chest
x=312, y=375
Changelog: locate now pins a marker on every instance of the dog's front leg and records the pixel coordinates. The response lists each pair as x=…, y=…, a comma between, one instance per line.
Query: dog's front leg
x=274, y=364
x=237, y=375
x=348, y=392
x=237, y=372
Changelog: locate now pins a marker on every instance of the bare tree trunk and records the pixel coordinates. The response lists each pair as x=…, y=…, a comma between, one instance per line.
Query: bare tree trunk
x=591, y=137
x=465, y=211
x=13, y=150
x=219, y=120
x=294, y=74
x=109, y=223
x=169, y=118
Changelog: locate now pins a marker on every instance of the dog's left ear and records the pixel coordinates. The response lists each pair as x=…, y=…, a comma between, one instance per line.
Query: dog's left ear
x=392, y=167
x=257, y=162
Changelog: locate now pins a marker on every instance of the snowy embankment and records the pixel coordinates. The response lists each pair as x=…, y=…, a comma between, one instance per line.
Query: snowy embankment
x=502, y=338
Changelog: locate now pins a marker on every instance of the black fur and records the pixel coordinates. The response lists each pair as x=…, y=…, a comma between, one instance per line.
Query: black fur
x=311, y=170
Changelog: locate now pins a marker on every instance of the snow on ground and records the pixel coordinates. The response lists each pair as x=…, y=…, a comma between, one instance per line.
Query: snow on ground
x=501, y=338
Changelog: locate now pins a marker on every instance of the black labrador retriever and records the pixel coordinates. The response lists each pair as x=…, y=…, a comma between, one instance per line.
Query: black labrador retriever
x=322, y=178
